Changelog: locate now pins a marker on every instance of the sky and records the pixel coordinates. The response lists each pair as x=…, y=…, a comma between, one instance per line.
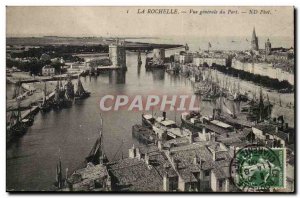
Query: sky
x=125, y=21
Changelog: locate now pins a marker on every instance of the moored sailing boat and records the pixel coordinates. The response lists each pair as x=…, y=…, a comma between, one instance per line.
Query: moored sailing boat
x=45, y=105
x=97, y=155
x=69, y=93
x=80, y=92
x=15, y=127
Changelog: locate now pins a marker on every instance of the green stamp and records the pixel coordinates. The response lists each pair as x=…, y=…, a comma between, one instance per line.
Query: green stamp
x=257, y=168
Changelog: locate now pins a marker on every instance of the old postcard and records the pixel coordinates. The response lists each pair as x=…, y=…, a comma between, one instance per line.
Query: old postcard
x=150, y=99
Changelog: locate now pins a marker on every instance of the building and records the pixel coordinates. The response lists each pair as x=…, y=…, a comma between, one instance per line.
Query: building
x=198, y=162
x=273, y=135
x=90, y=178
x=254, y=41
x=58, y=60
x=210, y=61
x=48, y=70
x=45, y=57
x=177, y=56
x=187, y=164
x=117, y=54
x=268, y=47
x=158, y=54
x=264, y=69
x=186, y=58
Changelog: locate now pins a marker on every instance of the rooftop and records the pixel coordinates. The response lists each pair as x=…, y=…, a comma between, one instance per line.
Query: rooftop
x=132, y=174
x=221, y=124
x=271, y=129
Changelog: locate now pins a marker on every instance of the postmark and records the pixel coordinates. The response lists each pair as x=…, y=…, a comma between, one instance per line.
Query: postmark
x=258, y=168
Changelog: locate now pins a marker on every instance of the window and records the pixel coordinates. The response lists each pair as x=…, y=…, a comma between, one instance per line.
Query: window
x=220, y=183
x=206, y=173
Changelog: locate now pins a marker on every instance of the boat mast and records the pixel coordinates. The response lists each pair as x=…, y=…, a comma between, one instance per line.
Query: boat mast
x=45, y=93
x=101, y=157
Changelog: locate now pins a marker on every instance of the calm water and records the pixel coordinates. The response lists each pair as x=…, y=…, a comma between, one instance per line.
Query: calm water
x=71, y=133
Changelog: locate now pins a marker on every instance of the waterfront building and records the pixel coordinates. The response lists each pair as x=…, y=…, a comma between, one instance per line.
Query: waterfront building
x=186, y=57
x=159, y=55
x=210, y=61
x=117, y=54
x=274, y=71
x=177, y=56
x=254, y=41
x=48, y=70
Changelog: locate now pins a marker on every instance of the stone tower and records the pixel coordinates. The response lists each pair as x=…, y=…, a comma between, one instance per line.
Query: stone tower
x=268, y=47
x=117, y=54
x=254, y=41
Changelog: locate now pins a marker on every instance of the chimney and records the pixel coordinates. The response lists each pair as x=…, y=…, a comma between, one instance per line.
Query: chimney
x=108, y=183
x=190, y=138
x=172, y=159
x=176, y=165
x=132, y=152
x=214, y=155
x=168, y=152
x=147, y=159
x=209, y=136
x=203, y=130
x=213, y=137
x=159, y=145
x=138, y=154
x=164, y=114
x=197, y=160
x=199, y=134
x=166, y=182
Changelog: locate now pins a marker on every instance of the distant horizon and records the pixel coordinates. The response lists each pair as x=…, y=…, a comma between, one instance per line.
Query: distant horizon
x=195, y=42
x=133, y=37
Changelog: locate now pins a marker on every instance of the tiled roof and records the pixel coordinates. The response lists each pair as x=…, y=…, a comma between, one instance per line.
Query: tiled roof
x=135, y=175
x=271, y=129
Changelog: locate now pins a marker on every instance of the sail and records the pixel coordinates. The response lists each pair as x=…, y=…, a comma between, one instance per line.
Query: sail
x=227, y=109
x=69, y=89
x=80, y=89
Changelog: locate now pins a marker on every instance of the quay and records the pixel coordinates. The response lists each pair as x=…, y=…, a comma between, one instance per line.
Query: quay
x=29, y=79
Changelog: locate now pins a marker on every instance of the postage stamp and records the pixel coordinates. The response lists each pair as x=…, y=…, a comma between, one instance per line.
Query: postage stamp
x=257, y=168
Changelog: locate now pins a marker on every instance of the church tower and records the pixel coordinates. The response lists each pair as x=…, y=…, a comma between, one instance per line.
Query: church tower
x=268, y=47
x=254, y=41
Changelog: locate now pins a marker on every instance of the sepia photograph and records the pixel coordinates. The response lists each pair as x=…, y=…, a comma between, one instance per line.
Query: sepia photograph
x=153, y=99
